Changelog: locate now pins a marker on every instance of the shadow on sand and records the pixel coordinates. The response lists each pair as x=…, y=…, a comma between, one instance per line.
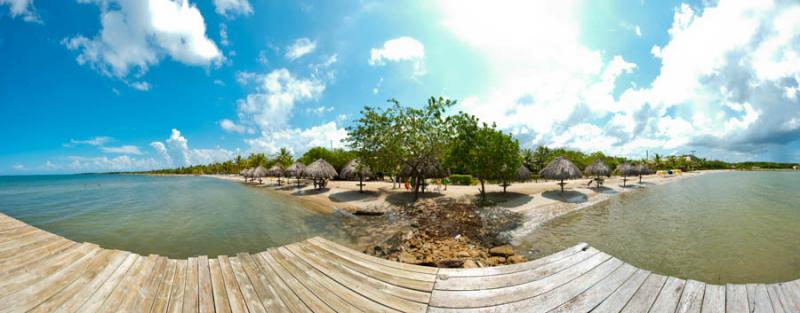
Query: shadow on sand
x=400, y=198
x=310, y=192
x=353, y=195
x=505, y=200
x=569, y=196
x=604, y=190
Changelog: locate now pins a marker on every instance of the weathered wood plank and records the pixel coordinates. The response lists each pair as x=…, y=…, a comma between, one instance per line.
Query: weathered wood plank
x=617, y=300
x=596, y=294
x=235, y=297
x=205, y=293
x=352, y=253
x=98, y=297
x=16, y=281
x=736, y=299
x=221, y=304
x=269, y=297
x=714, y=299
x=305, y=295
x=331, y=299
x=761, y=300
x=149, y=289
x=254, y=304
x=124, y=298
x=643, y=298
x=692, y=297
x=668, y=298
x=165, y=288
x=289, y=298
x=178, y=288
x=190, y=292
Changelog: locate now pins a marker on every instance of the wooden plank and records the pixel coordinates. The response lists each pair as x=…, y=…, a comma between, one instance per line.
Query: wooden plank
x=692, y=297
x=47, y=286
x=761, y=300
x=669, y=296
x=14, y=282
x=592, y=297
x=644, y=297
x=497, y=296
x=235, y=297
x=791, y=293
x=76, y=293
x=254, y=304
x=9, y=254
x=513, y=268
x=736, y=299
x=191, y=293
x=354, y=293
x=221, y=304
x=268, y=295
x=364, y=284
x=714, y=299
x=617, y=300
x=178, y=287
x=165, y=288
x=29, y=260
x=286, y=294
x=779, y=305
x=515, y=278
x=352, y=253
x=99, y=297
x=205, y=294
x=25, y=239
x=330, y=298
x=121, y=297
x=400, y=278
x=149, y=289
x=12, y=234
x=308, y=297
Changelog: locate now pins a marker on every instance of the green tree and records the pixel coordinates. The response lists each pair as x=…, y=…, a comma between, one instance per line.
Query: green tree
x=484, y=151
x=283, y=159
x=401, y=136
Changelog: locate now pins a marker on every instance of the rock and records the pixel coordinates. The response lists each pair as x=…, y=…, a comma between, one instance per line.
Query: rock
x=495, y=260
x=450, y=263
x=514, y=259
x=463, y=254
x=504, y=251
x=470, y=264
x=409, y=258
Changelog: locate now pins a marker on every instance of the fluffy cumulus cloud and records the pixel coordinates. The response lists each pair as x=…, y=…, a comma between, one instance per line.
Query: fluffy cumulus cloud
x=23, y=9
x=232, y=8
x=300, y=47
x=176, y=152
x=96, y=141
x=137, y=34
x=400, y=49
x=105, y=163
x=728, y=79
x=268, y=109
x=126, y=149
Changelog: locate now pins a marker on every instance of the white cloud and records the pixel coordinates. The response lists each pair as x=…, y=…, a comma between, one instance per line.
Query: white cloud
x=18, y=167
x=638, y=31
x=319, y=111
x=301, y=47
x=141, y=86
x=271, y=105
x=96, y=141
x=177, y=148
x=549, y=88
x=223, y=34
x=104, y=163
x=377, y=88
x=230, y=8
x=22, y=8
x=161, y=150
x=126, y=149
x=231, y=127
x=400, y=49
x=300, y=140
x=137, y=34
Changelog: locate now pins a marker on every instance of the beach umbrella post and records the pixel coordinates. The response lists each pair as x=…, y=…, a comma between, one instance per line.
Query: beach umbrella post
x=626, y=169
x=353, y=169
x=320, y=170
x=296, y=170
x=598, y=169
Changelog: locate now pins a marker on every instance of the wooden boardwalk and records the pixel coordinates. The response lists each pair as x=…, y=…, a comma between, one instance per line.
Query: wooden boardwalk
x=43, y=272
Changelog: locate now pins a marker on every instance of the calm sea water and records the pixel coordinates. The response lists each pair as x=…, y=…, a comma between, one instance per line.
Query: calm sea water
x=732, y=227
x=171, y=216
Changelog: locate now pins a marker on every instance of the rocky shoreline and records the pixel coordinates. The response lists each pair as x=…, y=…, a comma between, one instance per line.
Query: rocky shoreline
x=450, y=233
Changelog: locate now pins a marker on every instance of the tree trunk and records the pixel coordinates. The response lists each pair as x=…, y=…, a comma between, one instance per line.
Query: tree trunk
x=360, y=183
x=505, y=185
x=624, y=180
x=640, y=179
x=483, y=191
x=416, y=188
x=562, y=185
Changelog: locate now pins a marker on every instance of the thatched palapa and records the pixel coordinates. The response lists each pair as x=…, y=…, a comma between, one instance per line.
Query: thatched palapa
x=428, y=170
x=523, y=173
x=354, y=169
x=275, y=171
x=598, y=169
x=320, y=171
x=560, y=169
x=625, y=169
x=642, y=169
x=295, y=170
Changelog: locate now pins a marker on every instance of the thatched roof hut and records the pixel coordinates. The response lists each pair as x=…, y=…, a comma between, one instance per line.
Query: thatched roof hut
x=275, y=171
x=320, y=169
x=626, y=169
x=354, y=169
x=295, y=170
x=259, y=171
x=642, y=169
x=597, y=168
x=561, y=169
x=523, y=173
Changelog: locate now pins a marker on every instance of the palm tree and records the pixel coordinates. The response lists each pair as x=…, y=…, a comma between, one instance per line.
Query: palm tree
x=657, y=161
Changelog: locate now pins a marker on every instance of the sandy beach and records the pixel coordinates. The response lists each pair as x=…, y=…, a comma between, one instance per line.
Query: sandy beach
x=538, y=202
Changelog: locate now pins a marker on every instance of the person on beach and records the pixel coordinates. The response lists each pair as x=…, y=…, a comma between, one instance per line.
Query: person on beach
x=445, y=181
x=407, y=184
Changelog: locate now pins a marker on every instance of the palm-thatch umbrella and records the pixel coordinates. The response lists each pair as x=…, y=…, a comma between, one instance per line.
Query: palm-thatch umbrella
x=642, y=169
x=296, y=170
x=276, y=171
x=354, y=169
x=598, y=169
x=243, y=172
x=626, y=169
x=560, y=169
x=522, y=174
x=320, y=170
x=259, y=172
x=248, y=173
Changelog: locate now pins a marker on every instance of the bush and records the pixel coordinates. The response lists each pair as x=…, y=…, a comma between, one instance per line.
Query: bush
x=461, y=179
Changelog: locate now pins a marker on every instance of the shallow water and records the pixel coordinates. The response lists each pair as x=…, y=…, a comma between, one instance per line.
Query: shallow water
x=732, y=227
x=171, y=216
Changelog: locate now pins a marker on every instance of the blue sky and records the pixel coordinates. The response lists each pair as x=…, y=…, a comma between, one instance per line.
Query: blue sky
x=106, y=85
